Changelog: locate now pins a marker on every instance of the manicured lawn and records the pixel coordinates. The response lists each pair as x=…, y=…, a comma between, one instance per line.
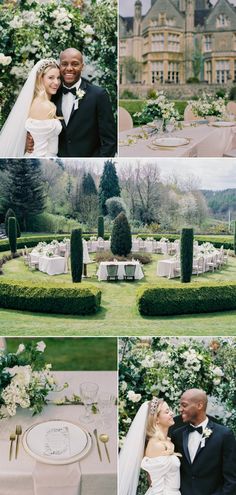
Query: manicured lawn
x=97, y=354
x=119, y=314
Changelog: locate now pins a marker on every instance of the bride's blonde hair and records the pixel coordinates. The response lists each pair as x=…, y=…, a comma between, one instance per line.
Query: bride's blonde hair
x=39, y=90
x=154, y=409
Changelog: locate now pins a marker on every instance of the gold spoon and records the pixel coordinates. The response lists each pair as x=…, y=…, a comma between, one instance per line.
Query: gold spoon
x=18, y=433
x=104, y=438
x=12, y=439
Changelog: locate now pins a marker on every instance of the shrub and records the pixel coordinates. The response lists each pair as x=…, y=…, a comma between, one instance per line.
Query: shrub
x=232, y=93
x=145, y=259
x=121, y=239
x=12, y=233
x=192, y=80
x=11, y=213
x=151, y=94
x=101, y=226
x=186, y=254
x=76, y=255
x=220, y=93
x=34, y=240
x=115, y=206
x=28, y=296
x=127, y=94
x=47, y=222
x=173, y=300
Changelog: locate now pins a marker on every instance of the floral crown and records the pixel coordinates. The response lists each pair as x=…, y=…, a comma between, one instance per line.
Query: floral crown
x=45, y=63
x=155, y=402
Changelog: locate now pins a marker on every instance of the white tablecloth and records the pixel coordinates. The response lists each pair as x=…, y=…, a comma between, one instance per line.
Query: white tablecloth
x=52, y=265
x=94, y=246
x=26, y=476
x=166, y=268
x=102, y=270
x=205, y=140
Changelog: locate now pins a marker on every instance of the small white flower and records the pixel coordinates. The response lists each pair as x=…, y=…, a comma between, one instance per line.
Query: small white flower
x=206, y=433
x=133, y=397
x=41, y=346
x=20, y=349
x=80, y=93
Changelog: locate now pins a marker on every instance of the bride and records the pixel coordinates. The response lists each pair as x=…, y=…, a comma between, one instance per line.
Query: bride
x=34, y=112
x=148, y=446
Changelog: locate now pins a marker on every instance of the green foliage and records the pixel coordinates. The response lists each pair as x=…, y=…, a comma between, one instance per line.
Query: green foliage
x=220, y=201
x=39, y=298
x=115, y=206
x=108, y=186
x=47, y=222
x=101, y=226
x=192, y=80
x=121, y=239
x=232, y=93
x=132, y=68
x=76, y=254
x=235, y=237
x=173, y=300
x=12, y=233
x=128, y=95
x=135, y=106
x=25, y=192
x=87, y=186
x=11, y=213
x=186, y=254
x=144, y=258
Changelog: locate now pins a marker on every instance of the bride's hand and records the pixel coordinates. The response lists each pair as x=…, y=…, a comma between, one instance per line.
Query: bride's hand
x=29, y=145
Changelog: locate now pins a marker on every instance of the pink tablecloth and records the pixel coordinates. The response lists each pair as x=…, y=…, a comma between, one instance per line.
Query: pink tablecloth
x=205, y=140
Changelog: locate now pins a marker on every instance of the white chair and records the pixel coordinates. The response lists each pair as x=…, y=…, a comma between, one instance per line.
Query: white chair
x=231, y=107
x=125, y=120
x=188, y=114
x=226, y=256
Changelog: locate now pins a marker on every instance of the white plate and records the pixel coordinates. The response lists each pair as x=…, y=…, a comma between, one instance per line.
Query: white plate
x=221, y=123
x=56, y=442
x=171, y=142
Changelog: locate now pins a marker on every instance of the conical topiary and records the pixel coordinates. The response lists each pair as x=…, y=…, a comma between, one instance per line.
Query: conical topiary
x=101, y=226
x=76, y=255
x=121, y=238
x=12, y=234
x=186, y=254
x=11, y=213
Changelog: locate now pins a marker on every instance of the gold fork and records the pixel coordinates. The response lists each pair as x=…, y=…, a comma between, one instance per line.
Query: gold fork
x=18, y=433
x=12, y=439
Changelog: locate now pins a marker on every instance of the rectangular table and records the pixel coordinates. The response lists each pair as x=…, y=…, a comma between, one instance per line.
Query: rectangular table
x=26, y=476
x=205, y=140
x=166, y=268
x=52, y=265
x=102, y=270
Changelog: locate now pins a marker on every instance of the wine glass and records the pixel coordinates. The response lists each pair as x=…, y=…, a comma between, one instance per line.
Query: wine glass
x=106, y=401
x=88, y=393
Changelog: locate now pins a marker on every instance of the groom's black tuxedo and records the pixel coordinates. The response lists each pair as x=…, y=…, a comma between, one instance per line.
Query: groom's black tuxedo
x=213, y=471
x=91, y=130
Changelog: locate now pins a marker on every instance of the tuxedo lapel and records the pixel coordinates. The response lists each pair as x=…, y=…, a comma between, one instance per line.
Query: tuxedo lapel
x=83, y=86
x=185, y=445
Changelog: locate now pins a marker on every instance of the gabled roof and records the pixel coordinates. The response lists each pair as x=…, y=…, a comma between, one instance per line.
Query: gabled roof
x=165, y=6
x=222, y=6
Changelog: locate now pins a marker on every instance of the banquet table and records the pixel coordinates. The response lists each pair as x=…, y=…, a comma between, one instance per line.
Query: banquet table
x=205, y=140
x=102, y=270
x=52, y=265
x=27, y=476
x=166, y=268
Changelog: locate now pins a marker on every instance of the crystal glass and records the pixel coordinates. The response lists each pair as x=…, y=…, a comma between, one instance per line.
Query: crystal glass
x=106, y=401
x=88, y=394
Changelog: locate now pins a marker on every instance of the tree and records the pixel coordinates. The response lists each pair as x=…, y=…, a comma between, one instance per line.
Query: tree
x=132, y=69
x=121, y=239
x=186, y=254
x=235, y=237
x=12, y=234
x=25, y=192
x=76, y=255
x=11, y=213
x=87, y=200
x=108, y=186
x=101, y=226
x=115, y=206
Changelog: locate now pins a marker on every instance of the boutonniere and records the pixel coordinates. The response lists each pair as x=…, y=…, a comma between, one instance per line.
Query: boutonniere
x=205, y=434
x=79, y=96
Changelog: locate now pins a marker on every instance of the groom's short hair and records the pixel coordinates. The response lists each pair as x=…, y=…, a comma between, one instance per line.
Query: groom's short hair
x=198, y=395
x=73, y=49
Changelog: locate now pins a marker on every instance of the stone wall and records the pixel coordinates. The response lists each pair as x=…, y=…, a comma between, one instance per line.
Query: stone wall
x=175, y=91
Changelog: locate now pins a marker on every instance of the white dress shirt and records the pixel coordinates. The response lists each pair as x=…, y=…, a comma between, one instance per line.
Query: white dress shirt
x=194, y=439
x=68, y=101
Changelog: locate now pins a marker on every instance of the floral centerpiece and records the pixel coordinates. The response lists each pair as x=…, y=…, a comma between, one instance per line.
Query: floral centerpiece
x=206, y=248
x=208, y=106
x=159, y=108
x=25, y=379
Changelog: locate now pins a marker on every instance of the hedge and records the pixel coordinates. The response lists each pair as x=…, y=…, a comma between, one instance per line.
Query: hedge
x=172, y=300
x=34, y=240
x=133, y=106
x=34, y=297
x=218, y=241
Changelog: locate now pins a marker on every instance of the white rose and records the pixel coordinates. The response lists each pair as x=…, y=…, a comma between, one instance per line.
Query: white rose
x=20, y=349
x=88, y=30
x=133, y=397
x=41, y=346
x=123, y=386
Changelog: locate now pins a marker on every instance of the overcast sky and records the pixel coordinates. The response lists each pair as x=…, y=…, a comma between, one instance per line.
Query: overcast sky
x=210, y=173
x=126, y=7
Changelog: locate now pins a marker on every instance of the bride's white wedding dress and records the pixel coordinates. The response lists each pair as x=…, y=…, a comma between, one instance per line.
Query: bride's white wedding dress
x=45, y=135
x=164, y=472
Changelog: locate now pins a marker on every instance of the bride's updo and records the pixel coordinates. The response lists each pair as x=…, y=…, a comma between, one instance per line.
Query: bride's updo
x=154, y=409
x=40, y=91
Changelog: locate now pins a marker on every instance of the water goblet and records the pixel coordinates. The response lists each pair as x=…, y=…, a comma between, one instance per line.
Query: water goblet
x=88, y=393
x=106, y=401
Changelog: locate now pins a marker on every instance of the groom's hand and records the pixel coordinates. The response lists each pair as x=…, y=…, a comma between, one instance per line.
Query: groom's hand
x=29, y=146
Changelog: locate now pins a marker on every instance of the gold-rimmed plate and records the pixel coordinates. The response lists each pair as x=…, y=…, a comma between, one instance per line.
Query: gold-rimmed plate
x=170, y=142
x=222, y=123
x=57, y=442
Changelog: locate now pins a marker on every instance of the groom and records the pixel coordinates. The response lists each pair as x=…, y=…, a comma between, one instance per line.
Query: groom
x=208, y=463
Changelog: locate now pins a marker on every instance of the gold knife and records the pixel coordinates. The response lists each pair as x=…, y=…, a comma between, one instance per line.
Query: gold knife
x=98, y=446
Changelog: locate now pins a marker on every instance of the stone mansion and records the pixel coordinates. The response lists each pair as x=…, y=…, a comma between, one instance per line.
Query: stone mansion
x=177, y=41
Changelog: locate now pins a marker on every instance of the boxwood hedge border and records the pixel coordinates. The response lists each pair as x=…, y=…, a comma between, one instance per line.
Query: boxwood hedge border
x=186, y=299
x=28, y=296
x=34, y=240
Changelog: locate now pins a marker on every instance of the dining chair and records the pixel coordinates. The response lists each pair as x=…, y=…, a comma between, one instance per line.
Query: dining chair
x=112, y=272
x=125, y=120
x=129, y=272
